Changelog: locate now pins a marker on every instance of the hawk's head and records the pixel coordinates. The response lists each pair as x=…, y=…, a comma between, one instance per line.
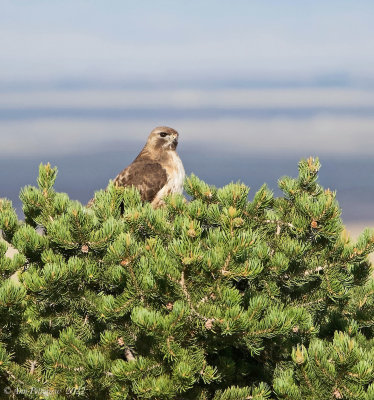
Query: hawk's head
x=163, y=138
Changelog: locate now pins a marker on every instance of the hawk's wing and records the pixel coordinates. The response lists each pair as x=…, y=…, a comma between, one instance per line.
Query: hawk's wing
x=148, y=176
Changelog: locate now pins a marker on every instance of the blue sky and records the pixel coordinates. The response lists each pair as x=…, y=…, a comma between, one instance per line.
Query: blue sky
x=161, y=40
x=80, y=58
x=270, y=78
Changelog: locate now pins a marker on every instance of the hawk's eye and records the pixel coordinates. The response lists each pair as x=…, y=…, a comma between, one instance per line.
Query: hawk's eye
x=163, y=134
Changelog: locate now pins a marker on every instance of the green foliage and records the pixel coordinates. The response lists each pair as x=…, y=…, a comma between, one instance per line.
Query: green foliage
x=341, y=369
x=8, y=219
x=215, y=298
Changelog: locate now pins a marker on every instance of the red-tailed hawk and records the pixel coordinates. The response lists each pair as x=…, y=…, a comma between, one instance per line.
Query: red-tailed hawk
x=157, y=171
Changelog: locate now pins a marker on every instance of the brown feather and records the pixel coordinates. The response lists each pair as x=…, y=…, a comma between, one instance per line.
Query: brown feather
x=157, y=170
x=147, y=176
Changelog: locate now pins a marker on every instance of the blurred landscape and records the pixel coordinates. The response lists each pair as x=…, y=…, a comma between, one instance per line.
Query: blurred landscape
x=251, y=90
x=254, y=135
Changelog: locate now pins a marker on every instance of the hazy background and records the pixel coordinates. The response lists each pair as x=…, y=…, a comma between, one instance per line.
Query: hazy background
x=252, y=86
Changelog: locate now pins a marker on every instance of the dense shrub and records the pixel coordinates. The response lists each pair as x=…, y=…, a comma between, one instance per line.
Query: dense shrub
x=213, y=298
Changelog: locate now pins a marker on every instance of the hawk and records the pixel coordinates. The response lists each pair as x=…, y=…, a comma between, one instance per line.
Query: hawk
x=157, y=171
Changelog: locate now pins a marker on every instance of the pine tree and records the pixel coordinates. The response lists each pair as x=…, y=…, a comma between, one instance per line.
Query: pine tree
x=216, y=298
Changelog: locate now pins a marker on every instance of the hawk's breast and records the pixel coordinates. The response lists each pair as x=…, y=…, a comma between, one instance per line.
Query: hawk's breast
x=175, y=178
x=176, y=174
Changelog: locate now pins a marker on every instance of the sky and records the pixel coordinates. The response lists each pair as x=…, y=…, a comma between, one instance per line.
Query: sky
x=81, y=80
x=283, y=76
x=49, y=40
